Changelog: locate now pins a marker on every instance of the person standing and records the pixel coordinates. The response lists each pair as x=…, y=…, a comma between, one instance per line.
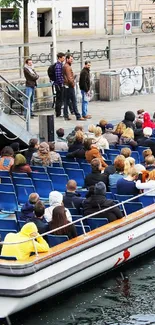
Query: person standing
x=69, y=91
x=31, y=83
x=84, y=84
x=59, y=81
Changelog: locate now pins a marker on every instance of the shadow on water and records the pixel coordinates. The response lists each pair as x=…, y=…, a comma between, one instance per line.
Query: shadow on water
x=123, y=297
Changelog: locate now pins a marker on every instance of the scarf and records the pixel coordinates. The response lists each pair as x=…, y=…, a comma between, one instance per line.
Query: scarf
x=31, y=69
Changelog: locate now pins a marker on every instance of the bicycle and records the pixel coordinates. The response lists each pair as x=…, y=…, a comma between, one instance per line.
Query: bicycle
x=148, y=26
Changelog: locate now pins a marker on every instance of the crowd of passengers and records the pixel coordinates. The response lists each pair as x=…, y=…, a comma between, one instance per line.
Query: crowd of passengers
x=124, y=175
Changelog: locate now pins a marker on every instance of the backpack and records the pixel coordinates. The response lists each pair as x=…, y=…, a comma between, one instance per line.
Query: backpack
x=51, y=72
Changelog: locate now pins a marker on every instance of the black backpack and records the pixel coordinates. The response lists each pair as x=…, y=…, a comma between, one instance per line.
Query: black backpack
x=51, y=72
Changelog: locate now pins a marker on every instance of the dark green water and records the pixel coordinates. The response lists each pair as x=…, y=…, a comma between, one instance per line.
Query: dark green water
x=108, y=300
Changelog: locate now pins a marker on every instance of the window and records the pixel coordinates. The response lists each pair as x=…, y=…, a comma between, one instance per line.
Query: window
x=8, y=22
x=134, y=17
x=80, y=17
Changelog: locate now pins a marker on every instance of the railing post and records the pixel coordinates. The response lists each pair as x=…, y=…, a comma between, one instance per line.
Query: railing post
x=81, y=55
x=28, y=115
x=20, y=61
x=51, y=52
x=109, y=46
x=136, y=49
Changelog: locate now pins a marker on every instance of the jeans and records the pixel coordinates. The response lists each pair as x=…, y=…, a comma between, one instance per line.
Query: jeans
x=59, y=99
x=69, y=95
x=29, y=93
x=84, y=104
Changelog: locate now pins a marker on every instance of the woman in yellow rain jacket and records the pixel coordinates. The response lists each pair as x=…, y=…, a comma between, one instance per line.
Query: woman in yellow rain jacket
x=23, y=250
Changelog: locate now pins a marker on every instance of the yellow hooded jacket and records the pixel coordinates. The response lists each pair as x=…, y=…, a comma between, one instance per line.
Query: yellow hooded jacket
x=22, y=251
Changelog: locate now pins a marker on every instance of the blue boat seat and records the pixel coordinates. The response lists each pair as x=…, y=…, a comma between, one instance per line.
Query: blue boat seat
x=97, y=222
x=8, y=202
x=4, y=232
x=80, y=231
x=54, y=240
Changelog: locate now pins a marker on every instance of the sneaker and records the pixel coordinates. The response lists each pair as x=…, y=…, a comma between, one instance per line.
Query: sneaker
x=67, y=118
x=87, y=116
x=81, y=119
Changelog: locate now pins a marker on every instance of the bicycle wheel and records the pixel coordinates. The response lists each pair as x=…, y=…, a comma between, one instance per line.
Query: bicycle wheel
x=146, y=27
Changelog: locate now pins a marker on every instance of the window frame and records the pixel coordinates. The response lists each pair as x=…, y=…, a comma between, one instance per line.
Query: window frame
x=131, y=19
x=14, y=26
x=82, y=9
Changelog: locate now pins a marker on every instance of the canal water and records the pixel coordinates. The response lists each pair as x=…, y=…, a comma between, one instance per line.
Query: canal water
x=120, y=298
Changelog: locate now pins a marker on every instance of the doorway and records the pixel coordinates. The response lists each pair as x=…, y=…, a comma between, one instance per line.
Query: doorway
x=44, y=17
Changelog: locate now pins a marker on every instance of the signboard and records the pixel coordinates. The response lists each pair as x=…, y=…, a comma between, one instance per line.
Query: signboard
x=128, y=27
x=7, y=20
x=80, y=17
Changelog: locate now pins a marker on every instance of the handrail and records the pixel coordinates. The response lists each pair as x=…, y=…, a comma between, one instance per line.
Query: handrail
x=80, y=219
x=23, y=95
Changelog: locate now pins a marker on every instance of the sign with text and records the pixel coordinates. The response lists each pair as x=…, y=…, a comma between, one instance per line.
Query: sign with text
x=8, y=22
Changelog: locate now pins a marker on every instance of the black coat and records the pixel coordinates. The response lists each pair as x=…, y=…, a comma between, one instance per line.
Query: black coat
x=147, y=142
x=84, y=82
x=95, y=177
x=73, y=200
x=129, y=119
x=99, y=202
x=28, y=154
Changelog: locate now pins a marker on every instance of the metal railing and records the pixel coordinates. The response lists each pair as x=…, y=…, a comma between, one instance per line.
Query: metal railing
x=25, y=107
x=81, y=221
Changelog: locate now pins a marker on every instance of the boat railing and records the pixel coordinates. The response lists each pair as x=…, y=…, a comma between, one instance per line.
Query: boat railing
x=81, y=219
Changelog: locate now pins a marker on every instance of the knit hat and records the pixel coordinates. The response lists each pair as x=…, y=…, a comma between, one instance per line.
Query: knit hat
x=109, y=126
x=55, y=198
x=44, y=147
x=19, y=160
x=100, y=188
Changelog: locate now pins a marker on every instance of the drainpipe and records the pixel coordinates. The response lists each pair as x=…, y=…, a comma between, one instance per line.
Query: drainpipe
x=105, y=16
x=112, y=17
x=54, y=31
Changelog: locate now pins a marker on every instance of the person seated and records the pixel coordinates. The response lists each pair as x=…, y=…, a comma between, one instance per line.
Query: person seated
x=99, y=140
x=140, y=115
x=149, y=183
x=96, y=200
x=126, y=152
x=127, y=185
x=91, y=152
x=120, y=128
x=119, y=171
x=129, y=118
x=76, y=150
x=16, y=148
x=7, y=158
x=55, y=156
x=146, y=140
x=20, y=165
x=42, y=157
x=91, y=130
x=138, y=131
x=59, y=219
x=61, y=143
x=128, y=164
x=55, y=199
x=95, y=176
x=109, y=134
x=127, y=138
x=21, y=250
x=150, y=162
x=146, y=153
x=27, y=210
x=102, y=124
x=147, y=121
x=110, y=170
x=39, y=219
x=71, y=136
x=33, y=147
x=71, y=198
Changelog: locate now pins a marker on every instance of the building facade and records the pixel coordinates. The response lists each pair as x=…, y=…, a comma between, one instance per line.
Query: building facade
x=76, y=17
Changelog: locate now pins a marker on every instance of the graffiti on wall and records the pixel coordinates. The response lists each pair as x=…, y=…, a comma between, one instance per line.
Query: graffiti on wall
x=137, y=80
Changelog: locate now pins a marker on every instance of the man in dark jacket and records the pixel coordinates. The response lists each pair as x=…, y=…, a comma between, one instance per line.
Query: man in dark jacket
x=84, y=84
x=97, y=201
x=38, y=218
x=33, y=147
x=146, y=140
x=71, y=198
x=31, y=83
x=95, y=176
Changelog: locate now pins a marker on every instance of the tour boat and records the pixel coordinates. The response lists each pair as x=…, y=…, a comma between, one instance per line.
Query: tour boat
x=73, y=262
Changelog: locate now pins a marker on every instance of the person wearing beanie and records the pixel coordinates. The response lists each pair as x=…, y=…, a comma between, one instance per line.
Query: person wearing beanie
x=55, y=199
x=27, y=210
x=129, y=118
x=42, y=157
x=23, y=250
x=20, y=165
x=97, y=201
x=111, y=138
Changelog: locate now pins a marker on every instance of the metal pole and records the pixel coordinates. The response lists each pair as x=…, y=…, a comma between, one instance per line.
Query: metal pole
x=81, y=55
x=136, y=48
x=51, y=52
x=105, y=16
x=54, y=31
x=112, y=18
x=28, y=115
x=20, y=61
x=109, y=46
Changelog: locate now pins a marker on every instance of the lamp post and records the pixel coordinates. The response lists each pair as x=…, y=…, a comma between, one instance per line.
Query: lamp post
x=54, y=31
